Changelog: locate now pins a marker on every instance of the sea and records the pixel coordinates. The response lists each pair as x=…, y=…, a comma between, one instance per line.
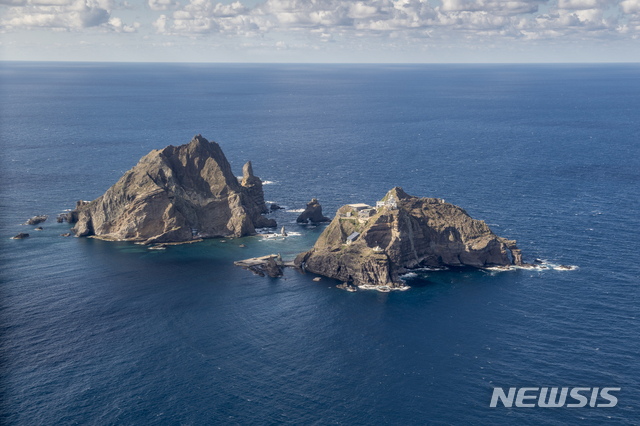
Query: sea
x=112, y=333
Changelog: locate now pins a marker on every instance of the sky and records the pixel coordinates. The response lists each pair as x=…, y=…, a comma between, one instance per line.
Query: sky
x=321, y=31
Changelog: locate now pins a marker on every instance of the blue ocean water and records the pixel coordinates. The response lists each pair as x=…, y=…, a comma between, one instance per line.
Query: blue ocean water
x=100, y=333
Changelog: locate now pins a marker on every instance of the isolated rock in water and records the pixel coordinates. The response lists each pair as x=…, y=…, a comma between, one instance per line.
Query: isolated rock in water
x=39, y=228
x=66, y=234
x=312, y=213
x=404, y=232
x=270, y=267
x=36, y=220
x=284, y=234
x=274, y=206
x=20, y=236
x=173, y=194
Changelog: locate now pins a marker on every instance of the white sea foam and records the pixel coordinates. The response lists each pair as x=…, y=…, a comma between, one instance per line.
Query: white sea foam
x=295, y=211
x=268, y=182
x=431, y=269
x=383, y=288
x=274, y=236
x=408, y=275
x=499, y=268
x=269, y=236
x=539, y=266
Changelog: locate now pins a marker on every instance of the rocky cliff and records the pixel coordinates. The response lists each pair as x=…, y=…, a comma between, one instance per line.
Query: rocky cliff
x=174, y=195
x=374, y=245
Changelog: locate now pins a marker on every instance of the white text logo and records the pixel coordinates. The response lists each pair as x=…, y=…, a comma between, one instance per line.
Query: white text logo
x=555, y=397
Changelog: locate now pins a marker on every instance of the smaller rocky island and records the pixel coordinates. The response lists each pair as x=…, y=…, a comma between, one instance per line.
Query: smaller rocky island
x=176, y=194
x=373, y=246
x=36, y=220
x=312, y=213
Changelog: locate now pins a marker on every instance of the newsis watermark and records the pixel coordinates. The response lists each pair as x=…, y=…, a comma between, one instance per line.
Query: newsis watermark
x=554, y=397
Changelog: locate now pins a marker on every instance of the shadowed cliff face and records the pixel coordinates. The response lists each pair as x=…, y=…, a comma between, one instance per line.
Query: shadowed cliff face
x=172, y=191
x=408, y=232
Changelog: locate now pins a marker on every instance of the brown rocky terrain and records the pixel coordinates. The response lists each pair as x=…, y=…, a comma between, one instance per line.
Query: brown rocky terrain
x=176, y=194
x=374, y=245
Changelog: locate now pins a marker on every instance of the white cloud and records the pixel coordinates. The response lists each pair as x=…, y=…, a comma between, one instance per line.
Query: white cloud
x=116, y=24
x=163, y=4
x=336, y=20
x=630, y=6
x=160, y=24
x=64, y=15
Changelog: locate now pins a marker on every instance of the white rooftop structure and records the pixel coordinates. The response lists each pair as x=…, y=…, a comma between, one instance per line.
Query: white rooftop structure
x=359, y=206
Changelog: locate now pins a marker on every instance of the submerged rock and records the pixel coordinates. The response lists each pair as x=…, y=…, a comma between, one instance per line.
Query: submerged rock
x=66, y=234
x=36, y=220
x=20, y=236
x=405, y=232
x=176, y=194
x=312, y=213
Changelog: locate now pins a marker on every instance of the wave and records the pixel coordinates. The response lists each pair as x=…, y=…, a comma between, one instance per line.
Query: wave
x=431, y=269
x=268, y=182
x=273, y=236
x=539, y=265
x=383, y=288
x=295, y=211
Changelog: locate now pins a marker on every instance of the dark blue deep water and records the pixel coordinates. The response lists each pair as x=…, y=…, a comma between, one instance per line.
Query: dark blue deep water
x=101, y=333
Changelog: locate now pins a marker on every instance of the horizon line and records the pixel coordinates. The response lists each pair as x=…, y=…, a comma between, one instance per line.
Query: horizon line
x=316, y=63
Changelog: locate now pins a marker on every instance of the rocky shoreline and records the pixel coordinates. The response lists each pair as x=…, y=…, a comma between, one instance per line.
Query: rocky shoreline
x=368, y=245
x=184, y=194
x=177, y=194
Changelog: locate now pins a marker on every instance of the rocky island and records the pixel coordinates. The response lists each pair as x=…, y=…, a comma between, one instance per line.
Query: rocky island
x=176, y=194
x=367, y=245
x=312, y=213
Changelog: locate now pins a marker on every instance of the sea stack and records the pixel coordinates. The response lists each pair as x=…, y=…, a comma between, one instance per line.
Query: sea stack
x=374, y=245
x=176, y=194
x=313, y=213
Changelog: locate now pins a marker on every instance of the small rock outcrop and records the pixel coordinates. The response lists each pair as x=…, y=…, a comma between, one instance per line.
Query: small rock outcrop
x=36, y=220
x=20, y=236
x=313, y=213
x=283, y=232
x=39, y=228
x=176, y=194
x=274, y=207
x=271, y=267
x=404, y=232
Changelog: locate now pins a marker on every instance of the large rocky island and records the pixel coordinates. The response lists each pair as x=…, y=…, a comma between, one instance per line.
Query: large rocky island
x=176, y=194
x=367, y=245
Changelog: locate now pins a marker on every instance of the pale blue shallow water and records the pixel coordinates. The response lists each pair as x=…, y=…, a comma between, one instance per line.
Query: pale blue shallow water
x=111, y=333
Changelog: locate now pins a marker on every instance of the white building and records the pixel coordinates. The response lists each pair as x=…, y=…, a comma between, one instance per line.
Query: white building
x=390, y=203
